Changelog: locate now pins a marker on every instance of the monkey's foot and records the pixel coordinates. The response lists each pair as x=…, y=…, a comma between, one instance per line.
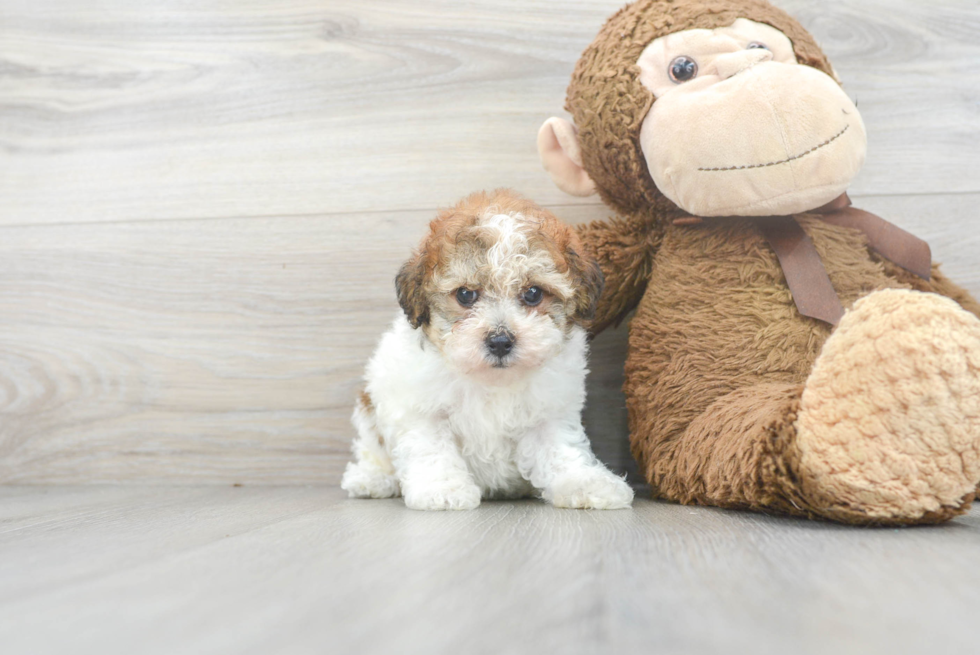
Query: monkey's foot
x=889, y=425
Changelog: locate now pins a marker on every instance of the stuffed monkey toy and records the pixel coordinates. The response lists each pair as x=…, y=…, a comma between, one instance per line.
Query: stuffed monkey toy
x=789, y=353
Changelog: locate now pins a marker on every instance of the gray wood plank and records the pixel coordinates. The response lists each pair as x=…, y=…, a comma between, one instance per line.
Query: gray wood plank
x=185, y=351
x=302, y=570
x=231, y=350
x=116, y=111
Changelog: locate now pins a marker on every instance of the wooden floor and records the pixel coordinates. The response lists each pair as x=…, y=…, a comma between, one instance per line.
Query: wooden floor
x=202, y=207
x=284, y=570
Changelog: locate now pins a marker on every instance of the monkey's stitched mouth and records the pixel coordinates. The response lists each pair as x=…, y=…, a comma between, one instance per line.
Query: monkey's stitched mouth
x=774, y=163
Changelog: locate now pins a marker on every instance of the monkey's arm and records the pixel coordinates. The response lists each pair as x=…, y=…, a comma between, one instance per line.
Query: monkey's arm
x=624, y=248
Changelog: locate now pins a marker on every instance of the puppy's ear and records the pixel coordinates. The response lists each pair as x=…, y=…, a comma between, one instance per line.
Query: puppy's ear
x=410, y=284
x=588, y=284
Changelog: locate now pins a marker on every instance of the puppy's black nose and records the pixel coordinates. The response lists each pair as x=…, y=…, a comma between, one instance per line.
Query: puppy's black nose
x=500, y=343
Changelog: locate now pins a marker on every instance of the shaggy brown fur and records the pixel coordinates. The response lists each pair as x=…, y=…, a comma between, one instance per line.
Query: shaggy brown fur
x=718, y=353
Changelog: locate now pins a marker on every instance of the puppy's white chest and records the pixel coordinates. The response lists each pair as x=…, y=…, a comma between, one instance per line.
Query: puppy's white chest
x=487, y=432
x=488, y=423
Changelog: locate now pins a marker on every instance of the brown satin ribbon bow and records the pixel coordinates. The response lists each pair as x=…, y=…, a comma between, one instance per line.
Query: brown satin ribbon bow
x=805, y=274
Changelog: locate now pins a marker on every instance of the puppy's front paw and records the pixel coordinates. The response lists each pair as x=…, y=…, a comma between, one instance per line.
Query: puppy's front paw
x=593, y=488
x=443, y=495
x=362, y=480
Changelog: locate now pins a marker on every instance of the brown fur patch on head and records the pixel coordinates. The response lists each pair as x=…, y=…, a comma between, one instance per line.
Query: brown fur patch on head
x=552, y=236
x=608, y=102
x=464, y=247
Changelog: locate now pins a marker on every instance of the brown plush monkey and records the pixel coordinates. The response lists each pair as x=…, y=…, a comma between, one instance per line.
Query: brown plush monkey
x=718, y=132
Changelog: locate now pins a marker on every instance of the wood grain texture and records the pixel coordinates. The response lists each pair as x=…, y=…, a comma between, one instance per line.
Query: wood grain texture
x=122, y=111
x=223, y=350
x=232, y=350
x=301, y=570
x=203, y=205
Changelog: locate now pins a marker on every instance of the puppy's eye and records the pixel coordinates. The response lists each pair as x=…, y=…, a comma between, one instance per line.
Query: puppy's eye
x=466, y=297
x=532, y=296
x=682, y=69
x=755, y=45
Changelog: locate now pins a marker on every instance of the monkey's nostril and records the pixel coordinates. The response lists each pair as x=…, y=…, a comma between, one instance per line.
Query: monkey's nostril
x=500, y=343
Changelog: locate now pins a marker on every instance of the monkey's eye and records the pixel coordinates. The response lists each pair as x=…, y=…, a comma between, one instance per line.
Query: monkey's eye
x=532, y=296
x=682, y=69
x=466, y=297
x=755, y=45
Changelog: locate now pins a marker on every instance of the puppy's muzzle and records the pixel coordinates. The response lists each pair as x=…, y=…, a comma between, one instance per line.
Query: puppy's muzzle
x=500, y=342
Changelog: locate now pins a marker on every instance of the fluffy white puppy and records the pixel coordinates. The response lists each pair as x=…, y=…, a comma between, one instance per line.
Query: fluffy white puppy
x=477, y=390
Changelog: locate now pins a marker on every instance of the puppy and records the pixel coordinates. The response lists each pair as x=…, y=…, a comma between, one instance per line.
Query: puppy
x=477, y=390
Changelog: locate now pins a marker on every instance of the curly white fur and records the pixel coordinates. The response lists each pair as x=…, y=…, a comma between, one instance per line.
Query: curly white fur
x=445, y=440
x=445, y=424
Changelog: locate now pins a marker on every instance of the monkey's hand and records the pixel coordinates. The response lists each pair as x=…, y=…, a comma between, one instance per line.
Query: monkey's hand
x=624, y=248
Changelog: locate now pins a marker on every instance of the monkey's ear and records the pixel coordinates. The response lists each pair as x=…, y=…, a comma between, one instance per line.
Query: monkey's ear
x=410, y=284
x=561, y=156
